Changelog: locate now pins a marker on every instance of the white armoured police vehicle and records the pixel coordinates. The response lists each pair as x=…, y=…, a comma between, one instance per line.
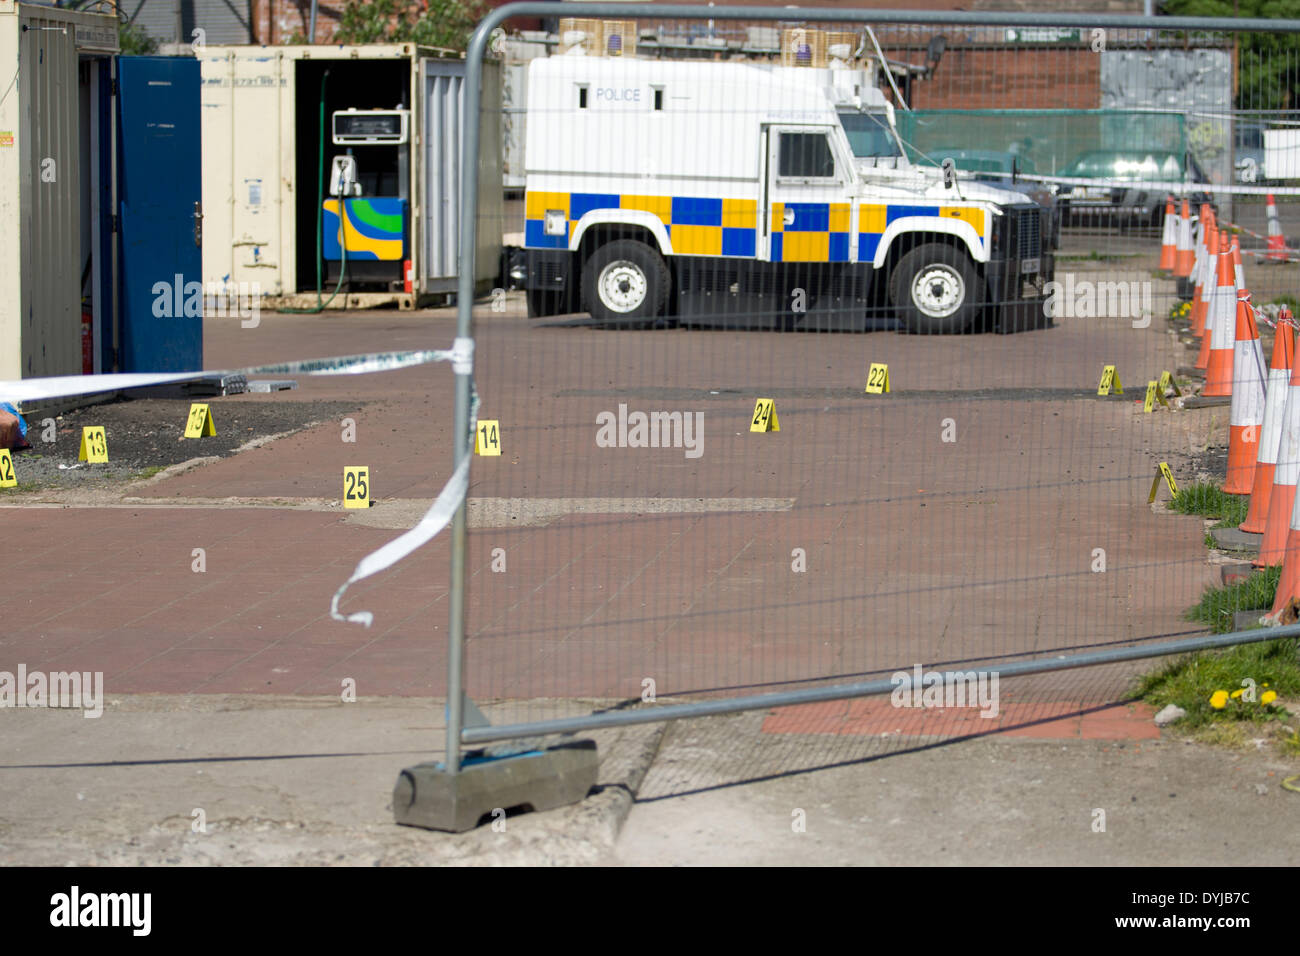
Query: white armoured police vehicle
x=752, y=195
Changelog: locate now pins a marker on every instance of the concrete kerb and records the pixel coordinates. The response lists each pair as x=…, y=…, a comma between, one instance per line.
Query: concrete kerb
x=124, y=788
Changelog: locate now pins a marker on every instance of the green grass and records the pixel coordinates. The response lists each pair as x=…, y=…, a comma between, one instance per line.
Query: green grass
x=1290, y=301
x=1290, y=744
x=1209, y=501
x=1190, y=681
x=1217, y=605
x=1095, y=256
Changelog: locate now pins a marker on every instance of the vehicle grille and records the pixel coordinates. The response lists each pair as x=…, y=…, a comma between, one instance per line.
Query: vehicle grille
x=1029, y=233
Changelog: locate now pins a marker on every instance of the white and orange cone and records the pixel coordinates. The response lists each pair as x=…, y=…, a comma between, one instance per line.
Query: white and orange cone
x=1205, y=280
x=1270, y=432
x=1183, y=255
x=1222, y=322
x=1276, y=241
x=1219, y=268
x=1273, y=548
x=1169, y=239
x=1205, y=298
x=1238, y=272
x=1246, y=417
x=1270, y=438
x=1239, y=280
x=1288, y=586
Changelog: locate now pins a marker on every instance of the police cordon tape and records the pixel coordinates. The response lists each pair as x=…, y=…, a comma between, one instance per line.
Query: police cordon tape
x=439, y=515
x=435, y=519
x=65, y=386
x=1172, y=186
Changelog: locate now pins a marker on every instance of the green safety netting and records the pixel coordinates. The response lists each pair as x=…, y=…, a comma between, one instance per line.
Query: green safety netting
x=1046, y=141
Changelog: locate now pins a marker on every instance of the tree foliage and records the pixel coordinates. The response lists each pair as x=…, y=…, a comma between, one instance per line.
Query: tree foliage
x=133, y=40
x=436, y=23
x=1268, y=64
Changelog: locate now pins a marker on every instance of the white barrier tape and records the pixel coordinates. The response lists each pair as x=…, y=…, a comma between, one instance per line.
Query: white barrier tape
x=64, y=386
x=1290, y=255
x=462, y=356
x=435, y=519
x=1162, y=186
x=440, y=513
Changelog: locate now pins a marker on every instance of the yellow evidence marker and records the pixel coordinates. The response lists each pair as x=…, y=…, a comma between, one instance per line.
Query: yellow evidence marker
x=94, y=445
x=200, y=422
x=7, y=477
x=765, y=419
x=1149, y=403
x=487, y=437
x=356, y=486
x=1163, y=472
x=1167, y=382
x=1109, y=380
x=878, y=379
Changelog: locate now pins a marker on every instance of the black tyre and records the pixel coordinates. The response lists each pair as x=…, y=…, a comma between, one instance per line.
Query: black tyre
x=624, y=282
x=936, y=290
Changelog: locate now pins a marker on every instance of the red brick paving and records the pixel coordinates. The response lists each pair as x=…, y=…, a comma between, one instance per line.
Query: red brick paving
x=1049, y=720
x=917, y=551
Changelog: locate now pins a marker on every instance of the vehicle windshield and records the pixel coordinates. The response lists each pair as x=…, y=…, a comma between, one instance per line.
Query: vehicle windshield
x=870, y=135
x=1150, y=167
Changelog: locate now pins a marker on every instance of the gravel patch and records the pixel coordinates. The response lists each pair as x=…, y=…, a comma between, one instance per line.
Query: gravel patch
x=145, y=436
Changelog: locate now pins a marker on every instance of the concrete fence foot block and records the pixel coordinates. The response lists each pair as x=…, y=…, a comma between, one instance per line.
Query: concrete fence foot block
x=1234, y=539
x=1245, y=620
x=427, y=796
x=1207, y=401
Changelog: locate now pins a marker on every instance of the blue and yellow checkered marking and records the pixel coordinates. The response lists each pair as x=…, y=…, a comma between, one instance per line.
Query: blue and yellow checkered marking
x=695, y=226
x=874, y=219
x=817, y=232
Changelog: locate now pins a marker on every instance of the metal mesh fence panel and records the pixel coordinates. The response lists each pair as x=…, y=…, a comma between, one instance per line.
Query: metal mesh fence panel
x=828, y=351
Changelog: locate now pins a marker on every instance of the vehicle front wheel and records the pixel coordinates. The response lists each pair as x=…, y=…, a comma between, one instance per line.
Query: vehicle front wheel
x=625, y=281
x=936, y=290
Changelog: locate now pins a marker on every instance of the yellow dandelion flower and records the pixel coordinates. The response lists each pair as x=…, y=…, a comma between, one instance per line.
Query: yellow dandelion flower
x=1219, y=699
x=1237, y=693
x=1268, y=697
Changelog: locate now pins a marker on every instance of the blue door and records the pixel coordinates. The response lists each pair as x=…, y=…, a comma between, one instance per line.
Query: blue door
x=159, y=188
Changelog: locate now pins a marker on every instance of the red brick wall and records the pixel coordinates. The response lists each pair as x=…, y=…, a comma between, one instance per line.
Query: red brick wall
x=1009, y=78
x=276, y=21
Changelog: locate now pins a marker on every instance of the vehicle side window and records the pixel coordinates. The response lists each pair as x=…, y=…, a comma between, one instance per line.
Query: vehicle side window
x=805, y=156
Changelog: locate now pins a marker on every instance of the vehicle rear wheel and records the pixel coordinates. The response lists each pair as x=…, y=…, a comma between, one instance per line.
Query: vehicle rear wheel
x=625, y=281
x=936, y=290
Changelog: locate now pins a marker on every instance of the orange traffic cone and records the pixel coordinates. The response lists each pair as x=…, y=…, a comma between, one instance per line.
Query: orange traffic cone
x=1288, y=586
x=1275, y=413
x=1206, y=298
x=1222, y=320
x=1238, y=273
x=1205, y=279
x=1239, y=280
x=1276, y=241
x=1247, y=414
x=1183, y=256
x=1281, y=502
x=1169, y=239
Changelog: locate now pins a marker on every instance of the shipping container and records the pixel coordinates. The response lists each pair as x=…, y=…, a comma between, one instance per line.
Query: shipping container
x=355, y=149
x=56, y=185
